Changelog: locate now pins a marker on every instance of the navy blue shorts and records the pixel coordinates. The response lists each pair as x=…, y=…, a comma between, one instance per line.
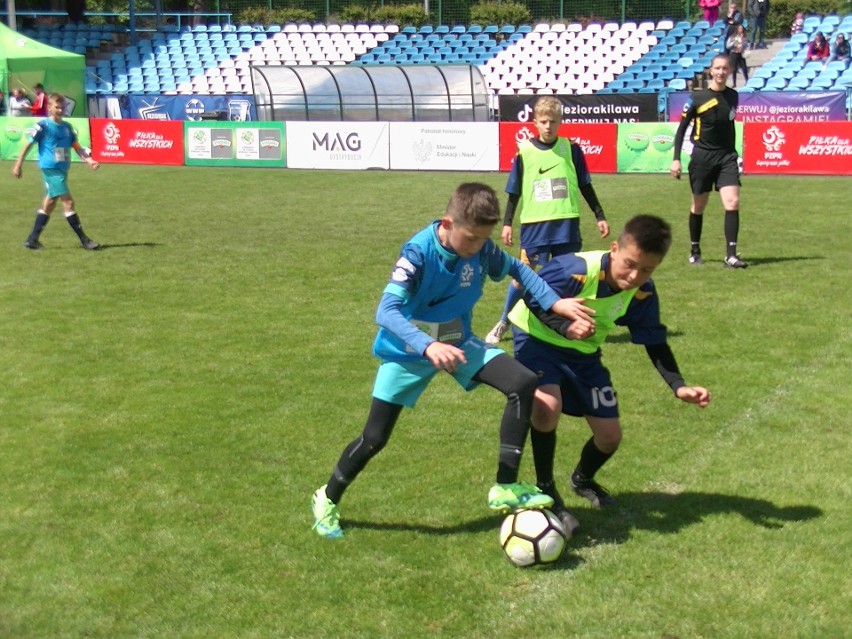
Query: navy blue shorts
x=585, y=382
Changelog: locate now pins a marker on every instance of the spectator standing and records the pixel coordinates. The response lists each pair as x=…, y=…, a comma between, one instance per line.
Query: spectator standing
x=737, y=45
x=797, y=24
x=733, y=19
x=818, y=49
x=19, y=103
x=758, y=11
x=39, y=105
x=710, y=9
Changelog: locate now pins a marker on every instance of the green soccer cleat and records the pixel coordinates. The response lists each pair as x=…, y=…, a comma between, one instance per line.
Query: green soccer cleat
x=326, y=515
x=505, y=498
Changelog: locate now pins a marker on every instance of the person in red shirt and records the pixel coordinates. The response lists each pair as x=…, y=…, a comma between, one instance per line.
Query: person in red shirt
x=818, y=49
x=39, y=106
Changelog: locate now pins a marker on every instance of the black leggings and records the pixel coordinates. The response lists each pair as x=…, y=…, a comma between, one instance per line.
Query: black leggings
x=503, y=372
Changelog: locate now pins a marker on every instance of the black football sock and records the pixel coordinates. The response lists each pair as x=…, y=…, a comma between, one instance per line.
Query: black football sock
x=377, y=432
x=74, y=223
x=544, y=451
x=696, y=223
x=591, y=459
x=41, y=221
x=732, y=231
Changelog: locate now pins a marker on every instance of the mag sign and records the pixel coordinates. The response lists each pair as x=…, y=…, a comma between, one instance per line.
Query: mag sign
x=235, y=144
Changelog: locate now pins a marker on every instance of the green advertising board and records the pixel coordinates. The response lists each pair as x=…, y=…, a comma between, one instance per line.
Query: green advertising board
x=16, y=132
x=235, y=144
x=647, y=147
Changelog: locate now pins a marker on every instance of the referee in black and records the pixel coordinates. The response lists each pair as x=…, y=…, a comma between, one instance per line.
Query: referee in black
x=714, y=160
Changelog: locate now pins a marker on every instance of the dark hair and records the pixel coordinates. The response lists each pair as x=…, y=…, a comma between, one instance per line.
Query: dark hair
x=38, y=85
x=474, y=204
x=649, y=232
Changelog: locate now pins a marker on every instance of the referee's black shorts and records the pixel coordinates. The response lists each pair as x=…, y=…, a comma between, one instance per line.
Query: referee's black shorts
x=709, y=169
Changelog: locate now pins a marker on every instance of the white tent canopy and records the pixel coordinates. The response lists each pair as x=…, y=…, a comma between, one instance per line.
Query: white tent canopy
x=368, y=93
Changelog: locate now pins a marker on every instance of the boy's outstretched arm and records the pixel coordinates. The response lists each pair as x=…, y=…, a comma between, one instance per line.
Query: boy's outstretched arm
x=664, y=361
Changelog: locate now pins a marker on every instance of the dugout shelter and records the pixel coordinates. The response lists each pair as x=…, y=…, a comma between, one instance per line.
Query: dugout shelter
x=371, y=93
x=25, y=62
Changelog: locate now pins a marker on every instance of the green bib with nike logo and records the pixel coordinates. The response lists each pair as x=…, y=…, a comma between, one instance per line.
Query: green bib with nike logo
x=550, y=190
x=609, y=309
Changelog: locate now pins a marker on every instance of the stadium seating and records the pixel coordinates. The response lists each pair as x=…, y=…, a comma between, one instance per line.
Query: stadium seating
x=540, y=58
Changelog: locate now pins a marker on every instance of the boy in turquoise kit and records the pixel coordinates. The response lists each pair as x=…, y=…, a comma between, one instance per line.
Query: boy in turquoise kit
x=547, y=178
x=424, y=317
x=55, y=139
x=567, y=358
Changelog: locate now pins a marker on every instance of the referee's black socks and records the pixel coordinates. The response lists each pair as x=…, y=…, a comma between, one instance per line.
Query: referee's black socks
x=732, y=231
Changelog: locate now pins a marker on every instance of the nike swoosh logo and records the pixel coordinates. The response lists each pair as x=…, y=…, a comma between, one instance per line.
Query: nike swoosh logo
x=542, y=171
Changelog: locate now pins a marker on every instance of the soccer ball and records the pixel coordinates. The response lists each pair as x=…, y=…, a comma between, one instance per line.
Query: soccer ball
x=532, y=537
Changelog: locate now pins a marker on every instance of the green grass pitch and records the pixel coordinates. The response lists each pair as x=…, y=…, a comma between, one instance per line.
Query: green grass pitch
x=169, y=404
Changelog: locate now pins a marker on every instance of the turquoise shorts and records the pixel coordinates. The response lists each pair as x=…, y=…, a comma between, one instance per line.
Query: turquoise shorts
x=55, y=182
x=402, y=383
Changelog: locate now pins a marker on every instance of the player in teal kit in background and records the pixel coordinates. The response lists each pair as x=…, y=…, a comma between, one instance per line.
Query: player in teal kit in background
x=55, y=139
x=571, y=376
x=425, y=327
x=547, y=178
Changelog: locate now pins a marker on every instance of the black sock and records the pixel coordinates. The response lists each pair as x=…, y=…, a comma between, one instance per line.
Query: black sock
x=696, y=223
x=732, y=230
x=376, y=434
x=544, y=451
x=74, y=223
x=41, y=220
x=591, y=459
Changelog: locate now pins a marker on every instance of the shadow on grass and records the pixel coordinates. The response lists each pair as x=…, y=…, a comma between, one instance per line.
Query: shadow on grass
x=760, y=261
x=657, y=512
x=666, y=514
x=105, y=247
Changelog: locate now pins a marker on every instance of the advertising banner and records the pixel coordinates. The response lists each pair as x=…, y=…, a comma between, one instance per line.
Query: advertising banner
x=649, y=148
x=137, y=142
x=777, y=106
x=444, y=146
x=627, y=107
x=598, y=142
x=816, y=148
x=17, y=130
x=338, y=145
x=230, y=108
x=234, y=144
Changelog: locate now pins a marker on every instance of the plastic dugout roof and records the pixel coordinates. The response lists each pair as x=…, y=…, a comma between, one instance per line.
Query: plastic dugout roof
x=371, y=93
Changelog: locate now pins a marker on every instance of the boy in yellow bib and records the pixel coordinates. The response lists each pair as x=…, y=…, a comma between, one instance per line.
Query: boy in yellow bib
x=572, y=378
x=548, y=177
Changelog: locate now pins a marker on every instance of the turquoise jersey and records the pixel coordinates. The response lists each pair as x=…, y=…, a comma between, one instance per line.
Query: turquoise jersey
x=55, y=141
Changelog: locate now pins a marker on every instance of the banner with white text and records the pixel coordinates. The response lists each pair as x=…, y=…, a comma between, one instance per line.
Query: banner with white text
x=137, y=141
x=815, y=148
x=598, y=142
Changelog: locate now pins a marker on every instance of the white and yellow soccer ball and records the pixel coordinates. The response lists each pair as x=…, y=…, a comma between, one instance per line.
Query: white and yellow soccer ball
x=532, y=537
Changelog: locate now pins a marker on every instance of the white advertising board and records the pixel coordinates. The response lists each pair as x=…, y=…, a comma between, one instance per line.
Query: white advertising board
x=445, y=146
x=337, y=145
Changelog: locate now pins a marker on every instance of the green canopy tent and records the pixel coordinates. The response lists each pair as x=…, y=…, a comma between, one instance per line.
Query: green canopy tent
x=24, y=62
